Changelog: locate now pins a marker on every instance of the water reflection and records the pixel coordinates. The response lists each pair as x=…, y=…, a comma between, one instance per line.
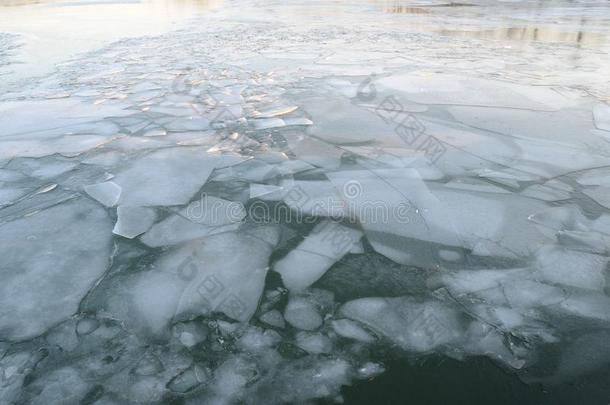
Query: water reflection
x=548, y=21
x=54, y=30
x=527, y=34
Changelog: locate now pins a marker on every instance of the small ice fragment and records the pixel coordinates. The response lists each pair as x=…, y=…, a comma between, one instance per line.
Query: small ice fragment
x=273, y=318
x=573, y=268
x=155, y=132
x=449, y=255
x=46, y=189
x=133, y=221
x=369, y=370
x=314, y=343
x=190, y=333
x=328, y=242
x=268, y=123
x=297, y=121
x=149, y=364
x=302, y=314
x=266, y=192
x=86, y=326
x=351, y=330
x=107, y=193
x=274, y=112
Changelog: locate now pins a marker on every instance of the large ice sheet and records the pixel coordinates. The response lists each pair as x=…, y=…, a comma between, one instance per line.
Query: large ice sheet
x=219, y=273
x=165, y=177
x=43, y=272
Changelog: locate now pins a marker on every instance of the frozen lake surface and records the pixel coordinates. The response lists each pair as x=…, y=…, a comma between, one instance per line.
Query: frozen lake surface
x=208, y=202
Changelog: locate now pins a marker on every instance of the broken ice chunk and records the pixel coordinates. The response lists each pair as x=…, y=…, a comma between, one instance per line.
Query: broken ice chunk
x=107, y=193
x=415, y=325
x=314, y=343
x=47, y=248
x=302, y=313
x=268, y=123
x=273, y=318
x=568, y=267
x=133, y=221
x=439, y=88
x=165, y=177
x=338, y=121
x=350, y=329
x=274, y=112
x=328, y=242
x=220, y=273
x=206, y=216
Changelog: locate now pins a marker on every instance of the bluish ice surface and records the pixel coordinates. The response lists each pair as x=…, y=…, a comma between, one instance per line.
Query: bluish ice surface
x=266, y=201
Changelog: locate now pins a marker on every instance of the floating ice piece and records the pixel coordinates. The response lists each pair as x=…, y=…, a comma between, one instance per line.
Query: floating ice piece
x=601, y=195
x=392, y=203
x=314, y=343
x=328, y=242
x=315, y=198
x=351, y=330
x=341, y=122
x=256, y=340
x=439, y=88
x=48, y=249
x=414, y=325
x=155, y=132
x=273, y=318
x=591, y=242
x=37, y=118
x=165, y=177
x=220, y=273
x=482, y=339
x=133, y=221
x=302, y=313
x=274, y=112
x=188, y=124
x=107, y=193
x=601, y=114
x=554, y=219
x=190, y=379
x=268, y=123
x=567, y=267
x=190, y=333
x=313, y=151
x=206, y=216
x=297, y=121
